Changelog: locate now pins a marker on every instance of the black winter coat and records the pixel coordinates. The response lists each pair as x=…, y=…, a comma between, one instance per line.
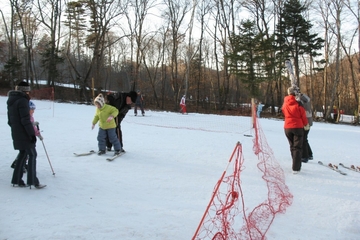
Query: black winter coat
x=118, y=100
x=22, y=130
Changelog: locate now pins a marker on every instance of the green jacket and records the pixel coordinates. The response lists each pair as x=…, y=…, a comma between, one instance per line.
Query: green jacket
x=102, y=114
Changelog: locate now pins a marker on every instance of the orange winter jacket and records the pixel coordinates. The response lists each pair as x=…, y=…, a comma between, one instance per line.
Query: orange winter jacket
x=295, y=115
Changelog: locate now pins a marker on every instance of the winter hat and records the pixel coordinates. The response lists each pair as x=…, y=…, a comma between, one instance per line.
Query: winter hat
x=32, y=105
x=133, y=96
x=291, y=91
x=100, y=100
x=23, y=86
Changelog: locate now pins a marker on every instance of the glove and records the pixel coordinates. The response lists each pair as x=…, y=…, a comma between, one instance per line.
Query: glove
x=307, y=127
x=35, y=123
x=110, y=118
x=40, y=137
x=92, y=127
x=33, y=139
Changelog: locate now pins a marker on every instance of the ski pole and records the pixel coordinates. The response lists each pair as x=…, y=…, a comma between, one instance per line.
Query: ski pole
x=47, y=155
x=48, y=158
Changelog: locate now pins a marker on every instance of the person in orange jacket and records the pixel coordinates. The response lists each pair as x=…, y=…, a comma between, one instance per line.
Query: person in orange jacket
x=295, y=123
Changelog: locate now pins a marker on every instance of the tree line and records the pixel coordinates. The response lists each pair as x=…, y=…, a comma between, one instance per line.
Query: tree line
x=221, y=52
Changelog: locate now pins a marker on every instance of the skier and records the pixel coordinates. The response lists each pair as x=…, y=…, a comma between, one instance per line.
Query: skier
x=295, y=123
x=139, y=103
x=122, y=101
x=259, y=109
x=183, y=105
x=105, y=115
x=23, y=135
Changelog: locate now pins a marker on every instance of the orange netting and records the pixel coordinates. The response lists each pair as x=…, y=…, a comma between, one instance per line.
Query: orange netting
x=226, y=217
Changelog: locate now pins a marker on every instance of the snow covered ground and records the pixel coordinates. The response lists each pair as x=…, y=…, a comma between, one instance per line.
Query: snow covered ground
x=160, y=188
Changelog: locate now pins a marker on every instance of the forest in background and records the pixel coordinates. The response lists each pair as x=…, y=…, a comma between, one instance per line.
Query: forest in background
x=220, y=54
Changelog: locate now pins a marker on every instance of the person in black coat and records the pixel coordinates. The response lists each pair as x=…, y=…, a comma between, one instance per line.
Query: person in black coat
x=23, y=135
x=122, y=101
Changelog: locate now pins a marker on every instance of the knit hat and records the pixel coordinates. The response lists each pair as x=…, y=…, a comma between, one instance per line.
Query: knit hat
x=100, y=100
x=23, y=86
x=291, y=91
x=32, y=105
x=133, y=96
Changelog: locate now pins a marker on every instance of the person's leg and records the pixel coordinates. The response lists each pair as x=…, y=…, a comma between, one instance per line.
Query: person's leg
x=311, y=157
x=305, y=150
x=293, y=139
x=297, y=148
x=113, y=139
x=119, y=134
x=108, y=144
x=18, y=170
x=31, y=173
x=101, y=139
x=142, y=109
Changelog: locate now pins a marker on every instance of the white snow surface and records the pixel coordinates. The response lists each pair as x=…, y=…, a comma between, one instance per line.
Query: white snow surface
x=160, y=188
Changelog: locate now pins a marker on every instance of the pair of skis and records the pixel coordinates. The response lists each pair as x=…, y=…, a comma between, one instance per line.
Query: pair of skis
x=336, y=168
x=93, y=152
x=352, y=167
x=332, y=167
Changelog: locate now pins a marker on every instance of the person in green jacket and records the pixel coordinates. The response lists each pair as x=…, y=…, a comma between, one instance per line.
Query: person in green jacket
x=105, y=115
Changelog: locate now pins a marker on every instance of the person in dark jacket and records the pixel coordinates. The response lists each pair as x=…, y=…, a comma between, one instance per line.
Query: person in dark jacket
x=295, y=123
x=122, y=101
x=23, y=135
x=307, y=153
x=139, y=103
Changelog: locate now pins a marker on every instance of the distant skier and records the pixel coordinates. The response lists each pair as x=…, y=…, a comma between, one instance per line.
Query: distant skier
x=183, y=105
x=259, y=109
x=122, y=101
x=139, y=103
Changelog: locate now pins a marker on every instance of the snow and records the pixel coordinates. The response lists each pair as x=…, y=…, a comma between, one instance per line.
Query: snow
x=160, y=188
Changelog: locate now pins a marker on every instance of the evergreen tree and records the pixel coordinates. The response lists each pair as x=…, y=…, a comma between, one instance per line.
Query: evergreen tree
x=293, y=34
x=247, y=58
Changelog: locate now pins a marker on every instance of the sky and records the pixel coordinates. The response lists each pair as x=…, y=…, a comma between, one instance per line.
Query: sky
x=161, y=187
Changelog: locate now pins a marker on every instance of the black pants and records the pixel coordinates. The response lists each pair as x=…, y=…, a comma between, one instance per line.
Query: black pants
x=295, y=138
x=20, y=163
x=307, y=152
x=141, y=107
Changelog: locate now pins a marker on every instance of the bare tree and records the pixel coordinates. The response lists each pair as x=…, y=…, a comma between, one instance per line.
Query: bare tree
x=175, y=14
x=336, y=14
x=104, y=15
x=140, y=8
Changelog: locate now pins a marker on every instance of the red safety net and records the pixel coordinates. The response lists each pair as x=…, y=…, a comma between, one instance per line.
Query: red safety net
x=226, y=216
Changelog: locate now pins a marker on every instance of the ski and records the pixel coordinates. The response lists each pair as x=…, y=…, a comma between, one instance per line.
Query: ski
x=352, y=167
x=84, y=154
x=332, y=167
x=116, y=156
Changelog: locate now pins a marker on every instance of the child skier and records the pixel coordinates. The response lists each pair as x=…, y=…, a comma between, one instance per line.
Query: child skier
x=105, y=115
